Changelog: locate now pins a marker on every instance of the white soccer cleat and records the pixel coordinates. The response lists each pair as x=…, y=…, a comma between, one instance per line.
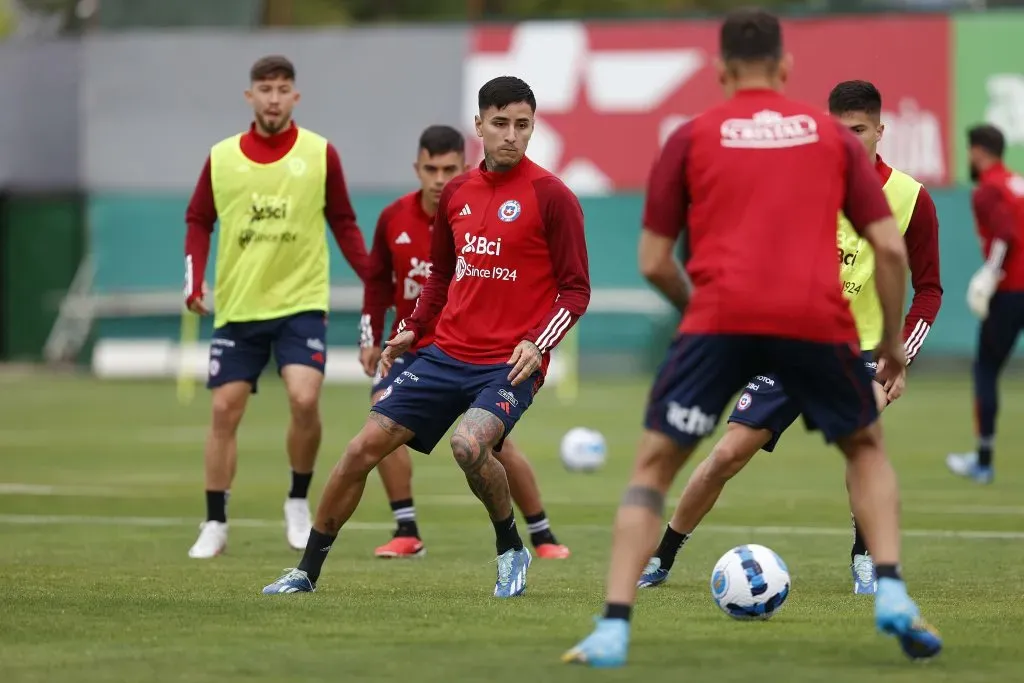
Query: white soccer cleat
x=297, y=522
x=213, y=539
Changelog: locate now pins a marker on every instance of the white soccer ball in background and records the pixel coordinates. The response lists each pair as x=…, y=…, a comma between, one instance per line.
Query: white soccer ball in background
x=750, y=582
x=583, y=450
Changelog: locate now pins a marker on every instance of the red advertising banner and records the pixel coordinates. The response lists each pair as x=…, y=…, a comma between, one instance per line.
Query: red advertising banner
x=610, y=93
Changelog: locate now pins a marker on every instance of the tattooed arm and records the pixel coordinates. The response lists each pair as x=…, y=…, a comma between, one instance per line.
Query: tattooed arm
x=472, y=444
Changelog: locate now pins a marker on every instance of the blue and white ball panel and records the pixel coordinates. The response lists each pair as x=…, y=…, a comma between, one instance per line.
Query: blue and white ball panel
x=750, y=582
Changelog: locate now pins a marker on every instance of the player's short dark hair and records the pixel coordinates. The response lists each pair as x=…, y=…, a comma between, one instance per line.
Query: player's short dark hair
x=750, y=34
x=505, y=90
x=855, y=96
x=272, y=66
x=987, y=137
x=442, y=140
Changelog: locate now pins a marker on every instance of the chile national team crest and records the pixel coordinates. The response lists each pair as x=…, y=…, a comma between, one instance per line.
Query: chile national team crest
x=509, y=211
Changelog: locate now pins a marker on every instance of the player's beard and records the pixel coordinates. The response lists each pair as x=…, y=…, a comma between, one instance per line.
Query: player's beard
x=974, y=173
x=273, y=129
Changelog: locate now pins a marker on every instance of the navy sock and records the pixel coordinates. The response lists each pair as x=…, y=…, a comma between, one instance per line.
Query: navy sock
x=507, y=535
x=986, y=406
x=217, y=506
x=540, y=529
x=671, y=542
x=888, y=571
x=613, y=610
x=859, y=546
x=300, y=485
x=315, y=554
x=405, y=518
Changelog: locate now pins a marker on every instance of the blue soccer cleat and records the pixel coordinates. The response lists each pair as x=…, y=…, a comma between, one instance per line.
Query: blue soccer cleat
x=897, y=615
x=653, y=574
x=864, y=580
x=966, y=465
x=512, y=566
x=605, y=648
x=293, y=581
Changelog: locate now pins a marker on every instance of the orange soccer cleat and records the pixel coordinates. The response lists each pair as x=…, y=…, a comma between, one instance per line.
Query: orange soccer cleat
x=552, y=551
x=402, y=546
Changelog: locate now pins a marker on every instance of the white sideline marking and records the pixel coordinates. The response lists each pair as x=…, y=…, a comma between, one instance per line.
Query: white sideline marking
x=86, y=520
x=456, y=499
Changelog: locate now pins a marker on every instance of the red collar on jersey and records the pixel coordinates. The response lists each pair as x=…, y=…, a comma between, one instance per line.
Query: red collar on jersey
x=285, y=138
x=997, y=169
x=501, y=177
x=884, y=169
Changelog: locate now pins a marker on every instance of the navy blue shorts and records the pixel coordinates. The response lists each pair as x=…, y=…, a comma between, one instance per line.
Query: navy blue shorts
x=998, y=333
x=827, y=383
x=764, y=404
x=401, y=363
x=240, y=351
x=429, y=395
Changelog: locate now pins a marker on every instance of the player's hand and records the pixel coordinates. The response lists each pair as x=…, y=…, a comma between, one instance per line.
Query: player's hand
x=979, y=292
x=892, y=362
x=892, y=387
x=196, y=303
x=369, y=358
x=395, y=348
x=525, y=360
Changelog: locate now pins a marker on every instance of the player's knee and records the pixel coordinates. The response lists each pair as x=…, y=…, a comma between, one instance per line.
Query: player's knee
x=362, y=454
x=468, y=451
x=227, y=411
x=866, y=442
x=305, y=405
x=726, y=461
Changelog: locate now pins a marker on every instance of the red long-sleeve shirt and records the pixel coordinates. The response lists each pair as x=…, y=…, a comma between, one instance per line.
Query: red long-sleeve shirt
x=998, y=204
x=509, y=263
x=201, y=214
x=922, y=239
x=399, y=267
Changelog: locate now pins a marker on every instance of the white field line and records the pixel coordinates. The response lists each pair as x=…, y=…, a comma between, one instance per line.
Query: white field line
x=85, y=520
x=456, y=499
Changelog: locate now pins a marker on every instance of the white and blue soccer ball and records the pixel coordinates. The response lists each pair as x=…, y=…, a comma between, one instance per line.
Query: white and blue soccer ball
x=750, y=582
x=583, y=450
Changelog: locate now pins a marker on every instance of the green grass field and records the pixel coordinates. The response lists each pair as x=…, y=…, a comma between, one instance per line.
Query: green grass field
x=102, y=485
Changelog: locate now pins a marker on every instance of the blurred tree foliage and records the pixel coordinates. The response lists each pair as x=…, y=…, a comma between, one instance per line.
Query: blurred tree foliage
x=321, y=12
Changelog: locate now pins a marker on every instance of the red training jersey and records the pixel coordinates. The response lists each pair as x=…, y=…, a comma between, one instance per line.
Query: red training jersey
x=922, y=239
x=509, y=263
x=758, y=182
x=201, y=214
x=399, y=266
x=998, y=204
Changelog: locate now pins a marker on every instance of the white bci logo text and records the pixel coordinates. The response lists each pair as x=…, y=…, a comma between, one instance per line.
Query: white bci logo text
x=689, y=420
x=481, y=245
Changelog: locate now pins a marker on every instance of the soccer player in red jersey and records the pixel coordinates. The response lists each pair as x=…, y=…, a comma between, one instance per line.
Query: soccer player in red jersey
x=399, y=266
x=509, y=277
x=996, y=292
x=270, y=188
x=765, y=410
x=766, y=296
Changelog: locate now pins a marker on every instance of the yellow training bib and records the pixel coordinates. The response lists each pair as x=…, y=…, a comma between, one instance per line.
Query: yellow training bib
x=272, y=257
x=857, y=259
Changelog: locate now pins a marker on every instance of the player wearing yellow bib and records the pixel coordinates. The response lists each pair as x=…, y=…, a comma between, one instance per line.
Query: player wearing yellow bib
x=271, y=189
x=764, y=410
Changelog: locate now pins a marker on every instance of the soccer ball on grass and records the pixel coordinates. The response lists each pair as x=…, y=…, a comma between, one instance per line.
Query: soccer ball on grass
x=750, y=582
x=583, y=450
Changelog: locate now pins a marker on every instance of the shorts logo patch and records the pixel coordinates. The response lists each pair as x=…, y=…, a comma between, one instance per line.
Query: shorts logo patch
x=504, y=406
x=744, y=402
x=214, y=367
x=690, y=420
x=315, y=344
x=387, y=392
x=318, y=358
x=508, y=396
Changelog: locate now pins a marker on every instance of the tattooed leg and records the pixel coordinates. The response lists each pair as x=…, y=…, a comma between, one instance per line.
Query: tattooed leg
x=472, y=442
x=378, y=437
